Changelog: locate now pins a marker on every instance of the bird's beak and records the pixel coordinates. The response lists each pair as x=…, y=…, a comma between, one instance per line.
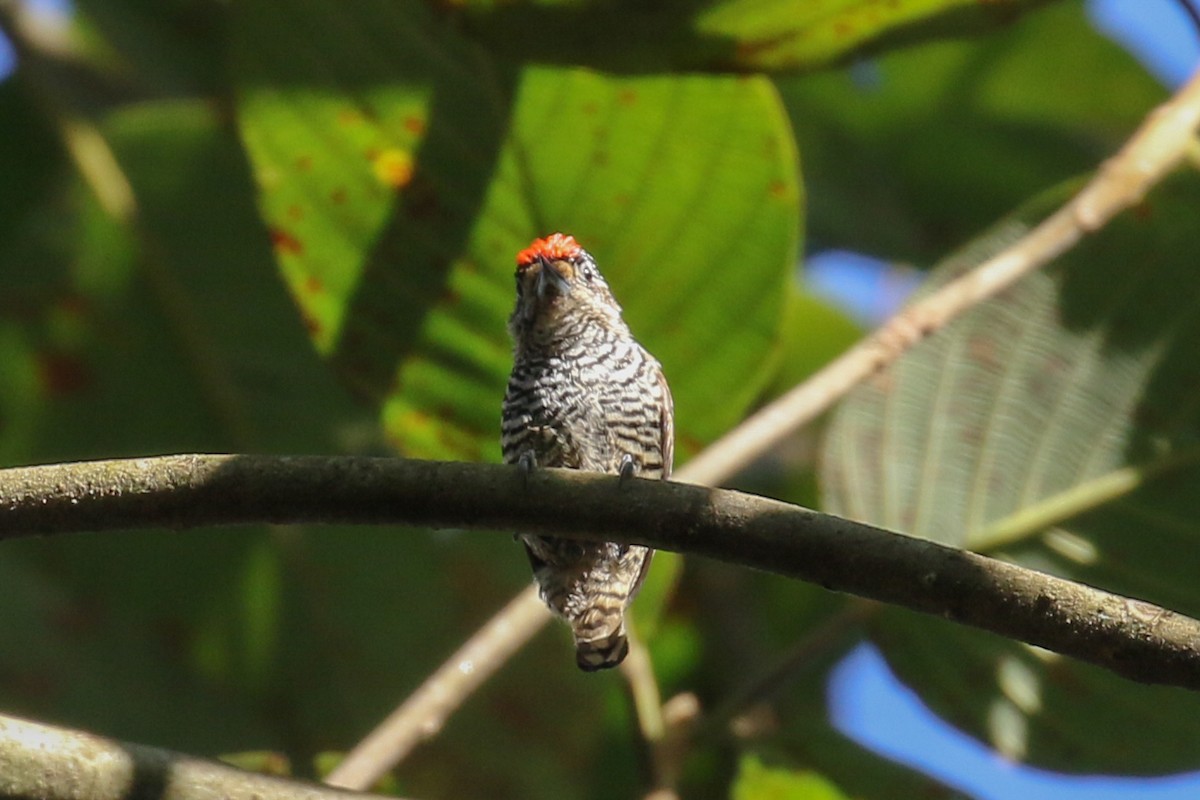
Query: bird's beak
x=553, y=278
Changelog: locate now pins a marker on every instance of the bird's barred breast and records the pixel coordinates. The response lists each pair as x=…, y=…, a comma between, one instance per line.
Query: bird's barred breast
x=610, y=391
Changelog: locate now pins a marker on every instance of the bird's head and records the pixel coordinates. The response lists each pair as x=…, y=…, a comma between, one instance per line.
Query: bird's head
x=559, y=290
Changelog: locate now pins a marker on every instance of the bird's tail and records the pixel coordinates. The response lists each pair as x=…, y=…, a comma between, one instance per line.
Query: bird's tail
x=600, y=640
x=589, y=586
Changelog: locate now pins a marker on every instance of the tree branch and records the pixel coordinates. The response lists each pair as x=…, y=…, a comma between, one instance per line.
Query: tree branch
x=42, y=762
x=646, y=702
x=1132, y=638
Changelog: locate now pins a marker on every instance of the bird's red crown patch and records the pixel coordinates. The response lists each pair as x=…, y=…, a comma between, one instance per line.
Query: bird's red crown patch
x=555, y=247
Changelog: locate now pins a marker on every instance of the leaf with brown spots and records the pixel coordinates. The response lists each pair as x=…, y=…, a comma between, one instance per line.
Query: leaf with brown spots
x=733, y=35
x=432, y=165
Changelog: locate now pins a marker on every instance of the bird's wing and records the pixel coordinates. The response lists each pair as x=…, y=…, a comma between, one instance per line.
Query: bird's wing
x=667, y=425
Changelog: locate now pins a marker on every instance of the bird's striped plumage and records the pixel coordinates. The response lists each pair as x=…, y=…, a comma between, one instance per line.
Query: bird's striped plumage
x=583, y=394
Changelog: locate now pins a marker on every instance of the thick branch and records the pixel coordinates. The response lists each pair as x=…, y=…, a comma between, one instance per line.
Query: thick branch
x=1135, y=639
x=42, y=762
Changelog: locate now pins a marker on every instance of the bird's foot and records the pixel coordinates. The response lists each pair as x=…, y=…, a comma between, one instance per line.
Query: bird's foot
x=627, y=468
x=527, y=463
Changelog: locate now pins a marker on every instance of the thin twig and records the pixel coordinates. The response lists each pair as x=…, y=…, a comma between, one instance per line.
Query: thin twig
x=1135, y=639
x=644, y=696
x=1154, y=149
x=424, y=712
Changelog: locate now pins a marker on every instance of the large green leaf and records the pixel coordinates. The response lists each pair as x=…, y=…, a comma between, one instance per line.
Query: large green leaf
x=157, y=47
x=400, y=171
x=738, y=35
x=1055, y=426
x=909, y=154
x=210, y=270
x=30, y=161
x=757, y=781
x=106, y=624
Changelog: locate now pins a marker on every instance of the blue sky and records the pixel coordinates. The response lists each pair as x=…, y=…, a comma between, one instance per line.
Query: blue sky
x=6, y=58
x=872, y=707
x=1158, y=33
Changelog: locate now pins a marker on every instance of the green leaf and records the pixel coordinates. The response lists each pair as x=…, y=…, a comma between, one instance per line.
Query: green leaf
x=736, y=35
x=162, y=47
x=756, y=781
x=773, y=643
x=400, y=171
x=1054, y=426
x=74, y=657
x=786, y=36
x=657, y=590
x=908, y=155
x=25, y=374
x=172, y=337
x=209, y=269
x=30, y=160
x=266, y=762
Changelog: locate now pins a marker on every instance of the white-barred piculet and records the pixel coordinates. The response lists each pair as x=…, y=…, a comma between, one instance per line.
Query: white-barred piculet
x=583, y=394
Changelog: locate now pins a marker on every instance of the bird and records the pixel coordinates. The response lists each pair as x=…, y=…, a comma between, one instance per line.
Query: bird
x=583, y=394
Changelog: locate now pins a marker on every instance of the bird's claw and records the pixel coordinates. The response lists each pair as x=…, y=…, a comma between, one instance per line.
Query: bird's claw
x=627, y=468
x=526, y=462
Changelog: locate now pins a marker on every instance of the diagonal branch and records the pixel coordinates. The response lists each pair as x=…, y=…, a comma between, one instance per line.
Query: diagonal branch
x=646, y=702
x=1132, y=638
x=424, y=712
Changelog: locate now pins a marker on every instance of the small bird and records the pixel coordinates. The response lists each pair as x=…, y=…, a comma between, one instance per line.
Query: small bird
x=583, y=394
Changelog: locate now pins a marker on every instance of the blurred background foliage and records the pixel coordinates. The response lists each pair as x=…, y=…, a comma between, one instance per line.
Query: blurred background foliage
x=289, y=227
